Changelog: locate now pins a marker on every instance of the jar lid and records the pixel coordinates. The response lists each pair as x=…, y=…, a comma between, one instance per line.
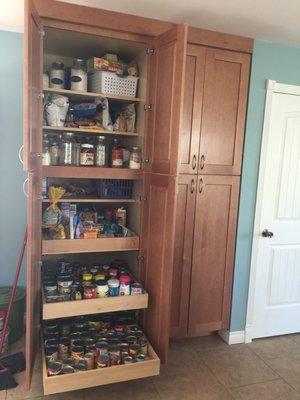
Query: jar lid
x=101, y=137
x=69, y=133
x=87, y=276
x=58, y=65
x=125, y=279
x=113, y=282
x=100, y=276
x=87, y=146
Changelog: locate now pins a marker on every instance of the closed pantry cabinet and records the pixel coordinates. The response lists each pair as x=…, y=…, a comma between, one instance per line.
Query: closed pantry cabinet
x=211, y=149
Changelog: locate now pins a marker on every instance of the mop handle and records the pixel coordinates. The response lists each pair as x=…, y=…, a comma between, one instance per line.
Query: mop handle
x=13, y=291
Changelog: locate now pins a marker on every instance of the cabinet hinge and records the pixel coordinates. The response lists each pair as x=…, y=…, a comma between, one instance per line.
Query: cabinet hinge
x=143, y=198
x=148, y=107
x=145, y=160
x=40, y=263
x=41, y=96
x=42, y=32
x=140, y=258
x=150, y=50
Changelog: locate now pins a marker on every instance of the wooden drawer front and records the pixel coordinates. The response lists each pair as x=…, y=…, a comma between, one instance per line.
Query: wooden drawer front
x=223, y=112
x=101, y=376
x=93, y=306
x=71, y=246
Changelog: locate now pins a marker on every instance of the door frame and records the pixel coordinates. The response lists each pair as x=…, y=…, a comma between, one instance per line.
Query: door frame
x=271, y=87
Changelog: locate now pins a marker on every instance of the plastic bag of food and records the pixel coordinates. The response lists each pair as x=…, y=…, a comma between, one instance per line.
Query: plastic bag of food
x=106, y=119
x=56, y=109
x=52, y=215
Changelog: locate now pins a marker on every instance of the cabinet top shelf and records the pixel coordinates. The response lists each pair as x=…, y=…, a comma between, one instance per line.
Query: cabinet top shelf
x=90, y=95
x=87, y=131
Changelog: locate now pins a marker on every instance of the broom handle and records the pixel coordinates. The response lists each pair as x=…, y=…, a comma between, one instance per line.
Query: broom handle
x=13, y=291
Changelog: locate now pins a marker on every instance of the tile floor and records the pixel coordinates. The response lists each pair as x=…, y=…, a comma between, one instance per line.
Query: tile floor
x=200, y=368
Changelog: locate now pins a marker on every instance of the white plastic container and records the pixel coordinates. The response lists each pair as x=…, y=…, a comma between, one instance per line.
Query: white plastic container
x=109, y=83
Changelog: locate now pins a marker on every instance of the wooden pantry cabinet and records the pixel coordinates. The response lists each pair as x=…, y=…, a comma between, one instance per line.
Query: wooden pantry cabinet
x=212, y=135
x=163, y=129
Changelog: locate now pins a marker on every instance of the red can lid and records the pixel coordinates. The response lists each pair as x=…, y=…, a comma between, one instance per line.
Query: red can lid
x=2, y=314
x=125, y=279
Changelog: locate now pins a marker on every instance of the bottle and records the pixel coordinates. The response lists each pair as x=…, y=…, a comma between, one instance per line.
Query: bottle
x=135, y=158
x=67, y=149
x=87, y=154
x=79, y=75
x=54, y=152
x=46, y=160
x=101, y=152
x=116, y=154
x=57, y=75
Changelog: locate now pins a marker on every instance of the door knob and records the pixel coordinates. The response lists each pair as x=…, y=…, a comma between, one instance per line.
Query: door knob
x=267, y=233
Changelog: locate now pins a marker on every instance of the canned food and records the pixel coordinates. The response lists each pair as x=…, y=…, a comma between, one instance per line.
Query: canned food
x=63, y=348
x=65, y=329
x=77, y=354
x=64, y=283
x=89, y=291
x=51, y=342
x=67, y=369
x=94, y=323
x=134, y=350
x=124, y=347
x=54, y=368
x=103, y=361
x=81, y=365
x=51, y=328
x=79, y=323
x=74, y=336
x=136, y=288
x=115, y=355
x=131, y=339
x=144, y=345
x=128, y=360
x=140, y=358
x=68, y=361
x=113, y=272
x=76, y=293
x=50, y=287
x=51, y=353
x=102, y=348
x=89, y=360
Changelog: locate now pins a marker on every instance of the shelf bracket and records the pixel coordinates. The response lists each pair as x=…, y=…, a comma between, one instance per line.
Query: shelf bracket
x=148, y=107
x=150, y=51
x=143, y=198
x=140, y=258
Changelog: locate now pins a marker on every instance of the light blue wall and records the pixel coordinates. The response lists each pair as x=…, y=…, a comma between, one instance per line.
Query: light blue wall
x=270, y=61
x=12, y=200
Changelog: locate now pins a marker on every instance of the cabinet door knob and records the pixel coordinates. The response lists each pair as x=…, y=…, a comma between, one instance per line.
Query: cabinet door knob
x=267, y=233
x=202, y=161
x=200, y=185
x=194, y=161
x=192, y=186
x=20, y=154
x=25, y=187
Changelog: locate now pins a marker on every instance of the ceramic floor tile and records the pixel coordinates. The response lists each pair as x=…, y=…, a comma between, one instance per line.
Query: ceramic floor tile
x=278, y=346
x=141, y=389
x=3, y=395
x=295, y=337
x=19, y=393
x=288, y=368
x=238, y=366
x=273, y=390
x=189, y=385
x=207, y=343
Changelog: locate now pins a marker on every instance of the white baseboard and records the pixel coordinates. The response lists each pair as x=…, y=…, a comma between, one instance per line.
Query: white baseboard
x=236, y=337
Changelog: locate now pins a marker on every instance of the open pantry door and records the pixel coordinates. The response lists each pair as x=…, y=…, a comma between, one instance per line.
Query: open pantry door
x=166, y=73
x=33, y=163
x=157, y=242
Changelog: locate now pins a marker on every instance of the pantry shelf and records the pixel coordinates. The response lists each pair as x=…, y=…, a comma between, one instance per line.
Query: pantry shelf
x=100, y=376
x=88, y=131
x=91, y=172
x=72, y=246
x=72, y=94
x=91, y=200
x=94, y=306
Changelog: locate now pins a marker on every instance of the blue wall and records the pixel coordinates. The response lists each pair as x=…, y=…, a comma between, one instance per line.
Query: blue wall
x=12, y=200
x=270, y=61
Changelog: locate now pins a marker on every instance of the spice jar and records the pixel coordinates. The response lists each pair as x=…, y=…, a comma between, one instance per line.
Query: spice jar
x=54, y=153
x=116, y=154
x=87, y=155
x=135, y=158
x=115, y=355
x=79, y=75
x=113, y=285
x=54, y=368
x=136, y=288
x=102, y=289
x=101, y=152
x=67, y=149
x=57, y=75
x=87, y=278
x=89, y=291
x=64, y=283
x=125, y=285
x=76, y=293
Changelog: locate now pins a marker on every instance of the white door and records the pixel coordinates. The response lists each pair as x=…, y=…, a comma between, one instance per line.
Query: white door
x=276, y=306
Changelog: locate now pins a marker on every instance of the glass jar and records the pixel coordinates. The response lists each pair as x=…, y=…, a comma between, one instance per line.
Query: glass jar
x=101, y=151
x=79, y=75
x=87, y=154
x=67, y=149
x=54, y=153
x=116, y=154
x=57, y=75
x=135, y=158
x=46, y=160
x=77, y=153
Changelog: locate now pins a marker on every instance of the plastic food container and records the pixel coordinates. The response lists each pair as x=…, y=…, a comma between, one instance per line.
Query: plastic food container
x=109, y=83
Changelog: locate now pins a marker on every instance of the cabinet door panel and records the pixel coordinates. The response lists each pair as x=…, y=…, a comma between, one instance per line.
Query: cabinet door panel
x=192, y=109
x=33, y=67
x=157, y=240
x=166, y=74
x=224, y=112
x=33, y=163
x=213, y=253
x=183, y=246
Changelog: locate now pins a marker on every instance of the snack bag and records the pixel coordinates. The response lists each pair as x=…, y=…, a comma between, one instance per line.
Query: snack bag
x=52, y=215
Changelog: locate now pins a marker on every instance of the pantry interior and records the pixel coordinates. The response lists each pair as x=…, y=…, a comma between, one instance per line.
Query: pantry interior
x=167, y=91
